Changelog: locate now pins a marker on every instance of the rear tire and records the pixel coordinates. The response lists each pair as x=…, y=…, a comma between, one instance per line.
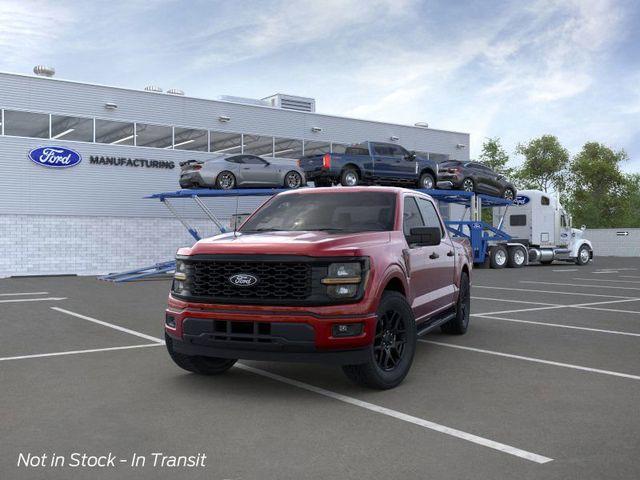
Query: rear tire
x=292, y=180
x=517, y=257
x=468, y=185
x=197, y=364
x=392, y=350
x=459, y=324
x=499, y=256
x=509, y=194
x=349, y=178
x=225, y=180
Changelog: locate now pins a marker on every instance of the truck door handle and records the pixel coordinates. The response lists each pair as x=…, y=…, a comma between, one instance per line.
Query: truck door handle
x=246, y=168
x=450, y=253
x=434, y=255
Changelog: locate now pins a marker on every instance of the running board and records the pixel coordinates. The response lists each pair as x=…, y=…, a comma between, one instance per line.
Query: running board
x=436, y=322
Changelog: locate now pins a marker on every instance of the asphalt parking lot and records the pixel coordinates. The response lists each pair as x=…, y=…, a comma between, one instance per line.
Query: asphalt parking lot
x=546, y=384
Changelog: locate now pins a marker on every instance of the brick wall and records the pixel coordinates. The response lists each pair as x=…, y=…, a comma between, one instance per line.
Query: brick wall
x=611, y=242
x=53, y=245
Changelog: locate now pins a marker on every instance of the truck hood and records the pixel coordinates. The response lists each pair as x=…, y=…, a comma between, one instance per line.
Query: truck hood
x=289, y=243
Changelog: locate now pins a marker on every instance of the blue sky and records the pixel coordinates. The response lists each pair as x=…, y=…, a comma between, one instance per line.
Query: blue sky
x=493, y=68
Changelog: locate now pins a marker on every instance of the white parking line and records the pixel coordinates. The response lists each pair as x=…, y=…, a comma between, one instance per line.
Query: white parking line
x=20, y=300
x=575, y=305
x=629, y=276
x=23, y=293
x=581, y=285
x=552, y=291
x=512, y=301
x=485, y=442
x=566, y=270
x=76, y=352
x=605, y=280
x=558, y=325
x=536, y=360
x=110, y=325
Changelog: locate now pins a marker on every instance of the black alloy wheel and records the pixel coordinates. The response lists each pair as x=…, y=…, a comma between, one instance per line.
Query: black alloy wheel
x=390, y=340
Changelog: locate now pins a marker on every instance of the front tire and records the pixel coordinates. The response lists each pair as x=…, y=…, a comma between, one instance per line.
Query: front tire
x=426, y=181
x=584, y=255
x=459, y=324
x=197, y=364
x=508, y=194
x=293, y=180
x=349, y=177
x=391, y=353
x=225, y=180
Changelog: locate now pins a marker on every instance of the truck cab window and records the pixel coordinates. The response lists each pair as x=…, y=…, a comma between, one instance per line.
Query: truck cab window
x=544, y=200
x=412, y=216
x=430, y=215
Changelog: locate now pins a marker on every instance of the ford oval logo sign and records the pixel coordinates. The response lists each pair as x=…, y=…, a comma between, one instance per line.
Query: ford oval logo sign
x=243, y=280
x=521, y=200
x=55, y=157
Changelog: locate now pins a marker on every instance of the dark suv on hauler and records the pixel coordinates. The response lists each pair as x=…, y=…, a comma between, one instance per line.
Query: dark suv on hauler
x=344, y=276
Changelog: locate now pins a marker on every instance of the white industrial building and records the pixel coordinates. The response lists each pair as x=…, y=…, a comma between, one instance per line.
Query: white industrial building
x=91, y=218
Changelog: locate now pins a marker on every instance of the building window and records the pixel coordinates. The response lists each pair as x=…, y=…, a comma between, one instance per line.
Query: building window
x=115, y=133
x=316, y=148
x=226, y=143
x=258, y=145
x=157, y=136
x=190, y=139
x=71, y=128
x=26, y=124
x=287, y=148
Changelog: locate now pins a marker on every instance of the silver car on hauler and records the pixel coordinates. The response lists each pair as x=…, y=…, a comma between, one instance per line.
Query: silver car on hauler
x=241, y=170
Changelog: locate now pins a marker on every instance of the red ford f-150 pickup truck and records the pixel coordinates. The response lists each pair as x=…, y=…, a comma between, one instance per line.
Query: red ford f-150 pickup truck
x=345, y=276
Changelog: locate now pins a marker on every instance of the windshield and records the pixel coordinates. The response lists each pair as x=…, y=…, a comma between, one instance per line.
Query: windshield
x=332, y=212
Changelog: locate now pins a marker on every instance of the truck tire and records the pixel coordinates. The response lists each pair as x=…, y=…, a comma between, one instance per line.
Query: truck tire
x=584, y=255
x=517, y=257
x=458, y=325
x=427, y=181
x=468, y=185
x=508, y=194
x=199, y=365
x=498, y=255
x=394, y=345
x=349, y=177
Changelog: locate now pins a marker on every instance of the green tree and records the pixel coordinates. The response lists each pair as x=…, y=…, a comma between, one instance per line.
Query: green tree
x=495, y=157
x=545, y=164
x=600, y=195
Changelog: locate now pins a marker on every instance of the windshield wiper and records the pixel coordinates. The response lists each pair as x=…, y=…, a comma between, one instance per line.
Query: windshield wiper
x=262, y=230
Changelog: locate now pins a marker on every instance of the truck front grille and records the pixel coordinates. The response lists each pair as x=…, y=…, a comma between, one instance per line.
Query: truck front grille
x=275, y=281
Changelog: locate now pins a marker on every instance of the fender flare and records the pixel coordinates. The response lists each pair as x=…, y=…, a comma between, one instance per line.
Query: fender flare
x=578, y=244
x=393, y=271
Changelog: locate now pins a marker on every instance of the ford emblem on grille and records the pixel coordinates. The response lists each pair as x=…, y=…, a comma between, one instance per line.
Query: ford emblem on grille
x=243, y=280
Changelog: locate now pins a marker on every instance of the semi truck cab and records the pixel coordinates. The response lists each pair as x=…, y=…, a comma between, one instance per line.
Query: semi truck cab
x=540, y=225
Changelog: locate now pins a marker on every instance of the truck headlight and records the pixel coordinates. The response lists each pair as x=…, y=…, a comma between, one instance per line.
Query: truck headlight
x=179, y=278
x=343, y=279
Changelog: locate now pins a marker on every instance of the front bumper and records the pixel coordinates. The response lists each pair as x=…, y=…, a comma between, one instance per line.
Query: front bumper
x=297, y=334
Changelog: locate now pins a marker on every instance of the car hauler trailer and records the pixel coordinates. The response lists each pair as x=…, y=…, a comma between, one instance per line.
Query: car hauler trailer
x=540, y=231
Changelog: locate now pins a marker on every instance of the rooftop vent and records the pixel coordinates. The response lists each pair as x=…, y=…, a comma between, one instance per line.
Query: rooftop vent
x=44, y=71
x=175, y=91
x=153, y=88
x=291, y=102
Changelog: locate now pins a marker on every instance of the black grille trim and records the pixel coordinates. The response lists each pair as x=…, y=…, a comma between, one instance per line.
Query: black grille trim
x=290, y=279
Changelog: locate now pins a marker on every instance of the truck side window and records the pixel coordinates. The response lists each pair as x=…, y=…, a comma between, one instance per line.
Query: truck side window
x=517, y=220
x=429, y=214
x=544, y=200
x=411, y=217
x=563, y=221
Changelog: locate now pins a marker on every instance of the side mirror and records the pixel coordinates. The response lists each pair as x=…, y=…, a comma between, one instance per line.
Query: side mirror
x=583, y=228
x=424, y=236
